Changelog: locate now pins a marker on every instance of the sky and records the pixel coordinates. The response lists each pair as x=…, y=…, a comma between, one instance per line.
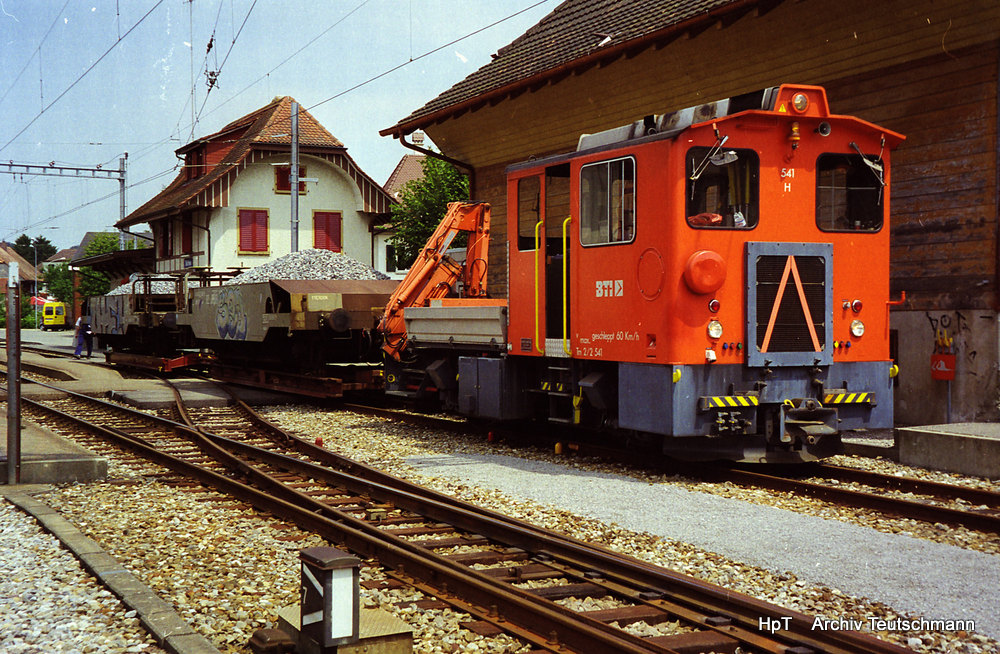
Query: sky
x=83, y=82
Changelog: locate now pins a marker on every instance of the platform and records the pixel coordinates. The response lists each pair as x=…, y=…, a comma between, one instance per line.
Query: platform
x=969, y=448
x=47, y=458
x=93, y=377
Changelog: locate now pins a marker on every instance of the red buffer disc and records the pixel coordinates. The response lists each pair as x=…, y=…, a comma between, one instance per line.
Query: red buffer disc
x=704, y=272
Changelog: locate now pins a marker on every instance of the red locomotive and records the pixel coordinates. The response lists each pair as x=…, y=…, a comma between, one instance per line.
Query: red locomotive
x=714, y=280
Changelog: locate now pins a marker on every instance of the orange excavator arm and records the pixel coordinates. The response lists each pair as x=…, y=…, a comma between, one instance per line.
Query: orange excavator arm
x=433, y=273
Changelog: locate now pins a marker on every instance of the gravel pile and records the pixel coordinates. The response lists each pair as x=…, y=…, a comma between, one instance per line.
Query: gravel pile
x=309, y=264
x=156, y=287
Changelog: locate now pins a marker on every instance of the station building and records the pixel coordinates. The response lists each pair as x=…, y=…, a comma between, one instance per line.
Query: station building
x=928, y=69
x=230, y=206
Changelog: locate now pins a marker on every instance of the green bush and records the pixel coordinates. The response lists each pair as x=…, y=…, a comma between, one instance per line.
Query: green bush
x=27, y=313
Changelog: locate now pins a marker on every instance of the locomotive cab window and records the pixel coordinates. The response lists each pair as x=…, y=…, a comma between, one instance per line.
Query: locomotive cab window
x=849, y=193
x=722, y=188
x=607, y=202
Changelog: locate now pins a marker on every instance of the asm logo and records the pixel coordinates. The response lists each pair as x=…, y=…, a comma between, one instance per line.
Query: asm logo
x=611, y=288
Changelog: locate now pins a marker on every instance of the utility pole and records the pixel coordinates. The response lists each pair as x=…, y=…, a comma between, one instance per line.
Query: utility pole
x=293, y=176
x=121, y=199
x=13, y=374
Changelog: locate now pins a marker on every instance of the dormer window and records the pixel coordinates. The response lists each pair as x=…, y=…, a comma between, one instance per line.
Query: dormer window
x=194, y=163
x=282, y=184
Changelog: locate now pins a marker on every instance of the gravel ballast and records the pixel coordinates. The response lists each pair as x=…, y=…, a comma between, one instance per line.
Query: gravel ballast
x=929, y=579
x=49, y=604
x=226, y=568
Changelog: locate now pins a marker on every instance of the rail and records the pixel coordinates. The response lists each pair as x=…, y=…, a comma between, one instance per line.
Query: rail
x=716, y=611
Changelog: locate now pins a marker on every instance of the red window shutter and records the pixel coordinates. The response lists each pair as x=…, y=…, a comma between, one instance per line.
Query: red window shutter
x=327, y=230
x=165, y=247
x=246, y=230
x=253, y=230
x=282, y=183
x=260, y=234
x=187, y=237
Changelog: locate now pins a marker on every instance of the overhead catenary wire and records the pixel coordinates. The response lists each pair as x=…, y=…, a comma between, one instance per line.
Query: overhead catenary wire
x=83, y=205
x=397, y=67
x=151, y=146
x=210, y=78
x=232, y=44
x=36, y=52
x=82, y=75
x=288, y=58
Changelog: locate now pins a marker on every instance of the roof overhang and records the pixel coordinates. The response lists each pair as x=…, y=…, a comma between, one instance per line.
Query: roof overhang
x=722, y=17
x=120, y=264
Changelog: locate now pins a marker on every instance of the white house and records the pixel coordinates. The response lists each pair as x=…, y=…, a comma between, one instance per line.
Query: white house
x=231, y=204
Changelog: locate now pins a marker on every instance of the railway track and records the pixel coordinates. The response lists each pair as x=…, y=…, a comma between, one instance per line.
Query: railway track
x=406, y=528
x=907, y=497
x=910, y=498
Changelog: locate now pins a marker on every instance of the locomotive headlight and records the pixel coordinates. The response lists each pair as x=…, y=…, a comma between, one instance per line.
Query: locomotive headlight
x=857, y=328
x=714, y=329
x=800, y=102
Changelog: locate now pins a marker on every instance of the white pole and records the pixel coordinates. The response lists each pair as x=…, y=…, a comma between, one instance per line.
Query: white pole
x=293, y=176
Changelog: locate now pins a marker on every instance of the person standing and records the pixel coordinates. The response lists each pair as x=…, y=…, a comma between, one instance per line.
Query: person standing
x=83, y=335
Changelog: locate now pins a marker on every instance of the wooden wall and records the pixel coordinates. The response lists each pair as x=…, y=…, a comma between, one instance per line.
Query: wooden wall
x=811, y=41
x=491, y=186
x=925, y=68
x=944, y=185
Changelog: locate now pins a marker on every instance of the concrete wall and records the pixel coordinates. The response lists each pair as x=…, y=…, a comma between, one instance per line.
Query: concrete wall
x=921, y=400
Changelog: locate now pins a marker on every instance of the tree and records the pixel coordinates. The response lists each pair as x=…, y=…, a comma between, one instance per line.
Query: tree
x=422, y=204
x=23, y=246
x=59, y=278
x=59, y=281
x=92, y=282
x=27, y=312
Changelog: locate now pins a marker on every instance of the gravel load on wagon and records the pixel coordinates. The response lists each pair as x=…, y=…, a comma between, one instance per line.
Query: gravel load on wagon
x=309, y=264
x=156, y=287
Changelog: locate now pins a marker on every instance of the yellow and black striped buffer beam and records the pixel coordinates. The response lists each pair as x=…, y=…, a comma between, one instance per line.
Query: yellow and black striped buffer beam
x=849, y=398
x=728, y=401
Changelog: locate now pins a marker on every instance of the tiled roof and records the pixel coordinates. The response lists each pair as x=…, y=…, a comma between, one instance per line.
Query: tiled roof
x=267, y=126
x=408, y=169
x=273, y=124
x=576, y=33
x=63, y=255
x=24, y=268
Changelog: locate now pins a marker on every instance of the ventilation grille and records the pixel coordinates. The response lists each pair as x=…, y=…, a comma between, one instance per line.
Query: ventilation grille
x=790, y=332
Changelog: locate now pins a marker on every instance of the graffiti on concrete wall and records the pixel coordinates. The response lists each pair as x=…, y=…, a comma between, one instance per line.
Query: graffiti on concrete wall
x=231, y=315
